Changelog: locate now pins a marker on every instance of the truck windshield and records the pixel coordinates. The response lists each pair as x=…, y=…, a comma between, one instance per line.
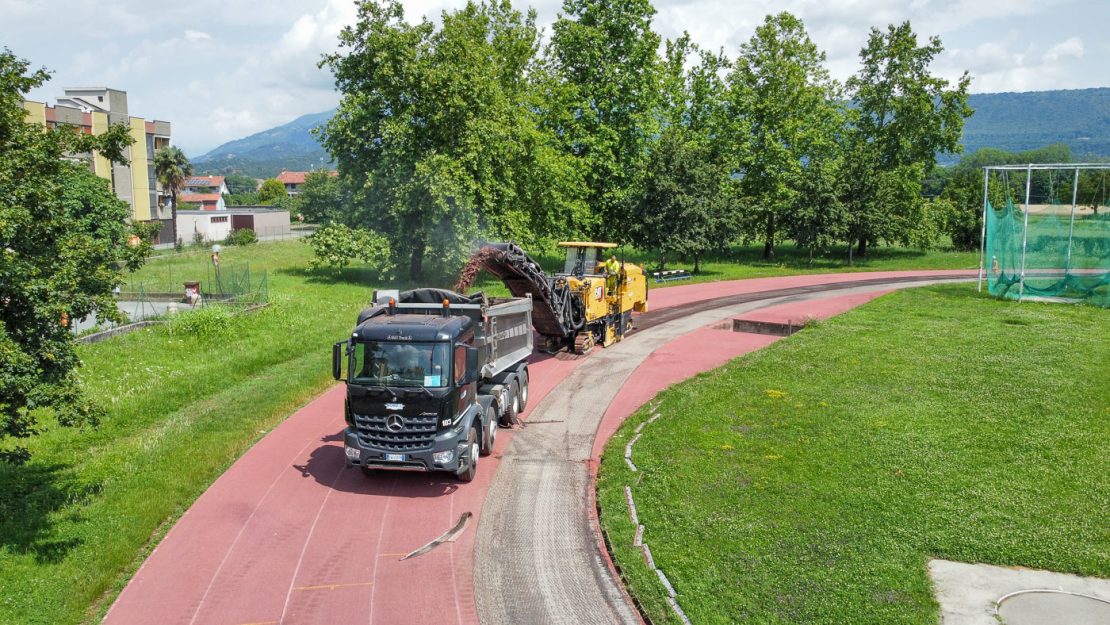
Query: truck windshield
x=401, y=364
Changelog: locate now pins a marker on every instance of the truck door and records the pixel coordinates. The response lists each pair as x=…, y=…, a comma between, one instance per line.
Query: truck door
x=466, y=394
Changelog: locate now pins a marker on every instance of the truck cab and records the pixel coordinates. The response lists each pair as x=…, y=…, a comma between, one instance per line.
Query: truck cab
x=422, y=391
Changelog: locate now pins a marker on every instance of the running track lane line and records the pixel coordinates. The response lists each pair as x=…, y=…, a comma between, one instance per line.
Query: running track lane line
x=307, y=540
x=227, y=554
x=378, y=547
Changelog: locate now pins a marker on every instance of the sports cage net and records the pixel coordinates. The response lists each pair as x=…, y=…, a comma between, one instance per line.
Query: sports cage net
x=1046, y=232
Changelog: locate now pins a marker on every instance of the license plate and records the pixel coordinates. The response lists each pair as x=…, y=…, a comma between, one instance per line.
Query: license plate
x=395, y=457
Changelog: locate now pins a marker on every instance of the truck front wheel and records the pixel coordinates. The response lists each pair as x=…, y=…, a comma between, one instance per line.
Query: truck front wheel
x=467, y=474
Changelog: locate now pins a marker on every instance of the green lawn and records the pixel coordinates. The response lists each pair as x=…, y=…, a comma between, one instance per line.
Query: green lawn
x=811, y=481
x=77, y=521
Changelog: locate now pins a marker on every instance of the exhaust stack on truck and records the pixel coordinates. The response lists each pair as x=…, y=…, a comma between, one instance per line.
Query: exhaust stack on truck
x=430, y=374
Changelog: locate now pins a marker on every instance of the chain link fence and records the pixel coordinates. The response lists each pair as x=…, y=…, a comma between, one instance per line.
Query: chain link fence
x=156, y=296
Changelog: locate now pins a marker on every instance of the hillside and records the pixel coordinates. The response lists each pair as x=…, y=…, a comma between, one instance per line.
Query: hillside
x=1009, y=121
x=290, y=146
x=1023, y=121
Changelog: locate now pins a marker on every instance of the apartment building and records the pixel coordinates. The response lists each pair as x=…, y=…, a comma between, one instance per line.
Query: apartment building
x=92, y=110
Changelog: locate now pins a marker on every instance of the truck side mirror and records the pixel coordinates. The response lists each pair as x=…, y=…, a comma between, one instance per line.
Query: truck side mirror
x=471, y=365
x=338, y=352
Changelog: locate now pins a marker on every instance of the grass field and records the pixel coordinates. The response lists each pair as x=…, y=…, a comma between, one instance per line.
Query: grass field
x=811, y=481
x=184, y=402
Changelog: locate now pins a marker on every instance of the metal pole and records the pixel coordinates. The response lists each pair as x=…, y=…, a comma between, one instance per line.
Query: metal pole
x=1071, y=227
x=1025, y=230
x=983, y=233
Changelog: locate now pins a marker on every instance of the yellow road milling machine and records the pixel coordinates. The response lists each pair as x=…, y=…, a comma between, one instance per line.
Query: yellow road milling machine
x=589, y=303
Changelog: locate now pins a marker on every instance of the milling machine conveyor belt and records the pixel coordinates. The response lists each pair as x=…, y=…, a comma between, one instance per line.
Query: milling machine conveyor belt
x=555, y=312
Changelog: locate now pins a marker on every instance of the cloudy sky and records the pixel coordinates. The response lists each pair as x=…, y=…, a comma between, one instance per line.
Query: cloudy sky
x=223, y=69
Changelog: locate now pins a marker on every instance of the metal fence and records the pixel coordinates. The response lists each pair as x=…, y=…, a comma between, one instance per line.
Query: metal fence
x=159, y=295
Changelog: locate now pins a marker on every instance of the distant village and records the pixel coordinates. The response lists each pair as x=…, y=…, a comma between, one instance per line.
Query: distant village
x=209, y=207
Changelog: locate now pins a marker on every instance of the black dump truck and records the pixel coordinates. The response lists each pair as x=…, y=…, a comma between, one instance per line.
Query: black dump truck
x=430, y=375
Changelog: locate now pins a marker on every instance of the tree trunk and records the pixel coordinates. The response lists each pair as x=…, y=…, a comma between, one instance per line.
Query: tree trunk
x=662, y=260
x=862, y=250
x=416, y=262
x=697, y=263
x=769, y=238
x=173, y=215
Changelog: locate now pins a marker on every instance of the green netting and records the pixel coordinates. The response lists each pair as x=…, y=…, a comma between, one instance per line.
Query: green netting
x=1065, y=256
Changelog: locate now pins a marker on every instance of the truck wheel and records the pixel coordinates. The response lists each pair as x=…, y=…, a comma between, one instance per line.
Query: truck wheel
x=467, y=474
x=522, y=378
x=512, y=405
x=491, y=432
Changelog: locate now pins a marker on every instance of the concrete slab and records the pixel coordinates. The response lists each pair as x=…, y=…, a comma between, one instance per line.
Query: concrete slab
x=983, y=594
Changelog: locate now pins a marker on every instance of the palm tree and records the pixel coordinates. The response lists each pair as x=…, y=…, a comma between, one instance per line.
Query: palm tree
x=172, y=167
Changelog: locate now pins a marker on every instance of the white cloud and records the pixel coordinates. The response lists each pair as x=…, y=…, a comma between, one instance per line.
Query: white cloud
x=241, y=67
x=1070, y=49
x=1015, y=66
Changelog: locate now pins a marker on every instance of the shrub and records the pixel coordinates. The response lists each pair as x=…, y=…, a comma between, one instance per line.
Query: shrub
x=242, y=236
x=336, y=245
x=203, y=322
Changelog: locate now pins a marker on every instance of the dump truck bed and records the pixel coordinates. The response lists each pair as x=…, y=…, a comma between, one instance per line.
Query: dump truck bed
x=503, y=326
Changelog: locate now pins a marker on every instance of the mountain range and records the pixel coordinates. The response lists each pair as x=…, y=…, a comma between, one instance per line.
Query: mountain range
x=1014, y=122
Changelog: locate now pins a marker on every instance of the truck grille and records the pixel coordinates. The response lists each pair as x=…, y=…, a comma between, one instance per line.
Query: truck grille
x=418, y=433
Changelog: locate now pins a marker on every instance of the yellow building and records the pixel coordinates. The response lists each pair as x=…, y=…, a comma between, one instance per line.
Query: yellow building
x=92, y=110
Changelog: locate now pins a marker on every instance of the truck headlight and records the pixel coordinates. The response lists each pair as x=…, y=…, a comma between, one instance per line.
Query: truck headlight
x=353, y=453
x=443, y=457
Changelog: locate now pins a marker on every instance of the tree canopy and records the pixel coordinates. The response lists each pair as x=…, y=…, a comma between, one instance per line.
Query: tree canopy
x=64, y=237
x=438, y=132
x=780, y=88
x=467, y=128
x=902, y=116
x=271, y=191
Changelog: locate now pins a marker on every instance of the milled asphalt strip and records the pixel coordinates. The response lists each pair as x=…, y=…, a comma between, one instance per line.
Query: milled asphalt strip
x=536, y=559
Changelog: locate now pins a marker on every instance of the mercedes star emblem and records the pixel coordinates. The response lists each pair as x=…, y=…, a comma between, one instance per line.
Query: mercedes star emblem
x=394, y=423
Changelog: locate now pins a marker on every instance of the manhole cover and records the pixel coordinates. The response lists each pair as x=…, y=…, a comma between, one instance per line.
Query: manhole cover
x=1050, y=607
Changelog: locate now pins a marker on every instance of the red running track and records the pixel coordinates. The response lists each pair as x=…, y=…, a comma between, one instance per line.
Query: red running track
x=287, y=535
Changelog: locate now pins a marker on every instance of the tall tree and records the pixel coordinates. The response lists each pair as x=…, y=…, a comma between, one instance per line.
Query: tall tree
x=171, y=168
x=322, y=198
x=271, y=190
x=685, y=206
x=606, y=54
x=780, y=87
x=902, y=116
x=438, y=133
x=63, y=237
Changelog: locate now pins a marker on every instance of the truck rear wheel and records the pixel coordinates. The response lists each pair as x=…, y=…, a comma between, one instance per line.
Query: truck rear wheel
x=512, y=405
x=491, y=431
x=522, y=378
x=467, y=474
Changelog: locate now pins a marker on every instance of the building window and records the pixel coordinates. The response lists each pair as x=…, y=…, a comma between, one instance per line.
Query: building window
x=219, y=220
